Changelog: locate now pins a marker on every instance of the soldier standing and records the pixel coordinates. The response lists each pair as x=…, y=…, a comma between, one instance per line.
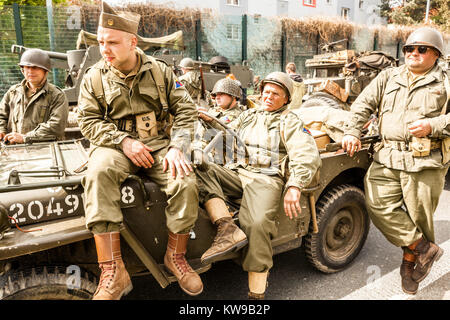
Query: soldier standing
x=191, y=79
x=406, y=178
x=299, y=86
x=33, y=110
x=125, y=100
x=275, y=140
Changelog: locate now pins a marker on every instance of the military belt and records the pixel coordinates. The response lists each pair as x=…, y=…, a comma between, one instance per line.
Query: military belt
x=127, y=125
x=406, y=146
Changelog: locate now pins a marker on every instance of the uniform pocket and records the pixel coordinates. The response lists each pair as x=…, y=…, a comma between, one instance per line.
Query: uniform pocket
x=389, y=99
x=112, y=93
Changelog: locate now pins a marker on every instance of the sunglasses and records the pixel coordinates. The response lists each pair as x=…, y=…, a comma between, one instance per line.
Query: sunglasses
x=421, y=49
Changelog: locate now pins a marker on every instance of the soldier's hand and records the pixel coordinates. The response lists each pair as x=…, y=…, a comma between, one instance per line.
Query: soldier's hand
x=351, y=144
x=202, y=115
x=137, y=152
x=14, y=137
x=420, y=128
x=2, y=135
x=177, y=163
x=292, y=202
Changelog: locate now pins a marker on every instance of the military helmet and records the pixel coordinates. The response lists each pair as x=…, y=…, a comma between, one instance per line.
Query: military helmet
x=279, y=78
x=35, y=58
x=187, y=63
x=426, y=36
x=228, y=86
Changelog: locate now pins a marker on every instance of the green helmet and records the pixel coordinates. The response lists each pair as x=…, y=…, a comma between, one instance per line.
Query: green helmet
x=35, y=58
x=279, y=78
x=426, y=36
x=228, y=86
x=187, y=63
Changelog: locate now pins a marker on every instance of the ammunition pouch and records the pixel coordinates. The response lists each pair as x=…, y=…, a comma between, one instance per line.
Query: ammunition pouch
x=127, y=124
x=445, y=148
x=146, y=125
x=420, y=147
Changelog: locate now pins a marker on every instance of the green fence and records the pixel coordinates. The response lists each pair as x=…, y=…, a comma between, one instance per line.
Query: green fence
x=261, y=41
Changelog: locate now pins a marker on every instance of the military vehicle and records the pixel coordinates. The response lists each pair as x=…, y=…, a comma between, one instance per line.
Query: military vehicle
x=46, y=252
x=338, y=76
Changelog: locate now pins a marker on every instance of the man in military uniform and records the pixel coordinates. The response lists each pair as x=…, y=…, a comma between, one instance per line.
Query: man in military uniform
x=299, y=86
x=124, y=102
x=407, y=176
x=191, y=79
x=275, y=140
x=33, y=110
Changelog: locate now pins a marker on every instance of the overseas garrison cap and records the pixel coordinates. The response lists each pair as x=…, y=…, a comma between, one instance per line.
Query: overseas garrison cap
x=124, y=21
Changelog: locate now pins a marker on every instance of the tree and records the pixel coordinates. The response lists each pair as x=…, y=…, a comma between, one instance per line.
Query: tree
x=29, y=2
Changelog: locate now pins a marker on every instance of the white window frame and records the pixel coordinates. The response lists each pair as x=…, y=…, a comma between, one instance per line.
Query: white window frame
x=233, y=31
x=309, y=2
x=235, y=3
x=345, y=16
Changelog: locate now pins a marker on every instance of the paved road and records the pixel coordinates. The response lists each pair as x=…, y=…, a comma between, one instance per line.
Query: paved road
x=374, y=275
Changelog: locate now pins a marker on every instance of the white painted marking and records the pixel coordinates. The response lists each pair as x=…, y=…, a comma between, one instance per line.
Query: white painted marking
x=388, y=287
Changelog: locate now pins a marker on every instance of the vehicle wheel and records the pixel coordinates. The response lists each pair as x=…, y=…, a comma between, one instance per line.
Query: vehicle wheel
x=319, y=99
x=343, y=225
x=48, y=283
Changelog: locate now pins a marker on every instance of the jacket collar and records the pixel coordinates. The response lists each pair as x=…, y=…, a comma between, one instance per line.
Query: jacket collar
x=401, y=76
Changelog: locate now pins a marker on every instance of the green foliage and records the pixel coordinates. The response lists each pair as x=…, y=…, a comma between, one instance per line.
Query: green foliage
x=29, y=2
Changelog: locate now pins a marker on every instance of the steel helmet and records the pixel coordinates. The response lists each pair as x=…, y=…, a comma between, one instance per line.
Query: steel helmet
x=279, y=78
x=187, y=63
x=35, y=58
x=228, y=86
x=426, y=36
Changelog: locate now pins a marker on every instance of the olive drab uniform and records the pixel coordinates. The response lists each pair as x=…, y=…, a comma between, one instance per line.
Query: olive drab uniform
x=193, y=84
x=129, y=101
x=406, y=170
x=39, y=116
x=276, y=141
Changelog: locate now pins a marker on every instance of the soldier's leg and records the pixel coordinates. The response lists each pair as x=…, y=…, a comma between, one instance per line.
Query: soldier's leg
x=422, y=191
x=215, y=185
x=107, y=170
x=181, y=215
x=261, y=203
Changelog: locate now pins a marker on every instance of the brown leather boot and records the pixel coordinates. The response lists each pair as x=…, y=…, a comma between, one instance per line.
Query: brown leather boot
x=427, y=253
x=114, y=279
x=228, y=238
x=409, y=286
x=175, y=261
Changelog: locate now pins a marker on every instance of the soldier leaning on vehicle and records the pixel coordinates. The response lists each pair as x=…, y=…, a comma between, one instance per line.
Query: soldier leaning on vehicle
x=33, y=110
x=125, y=101
x=406, y=178
x=276, y=141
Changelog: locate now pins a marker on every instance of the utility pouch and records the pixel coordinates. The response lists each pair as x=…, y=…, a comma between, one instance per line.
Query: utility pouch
x=445, y=148
x=146, y=125
x=420, y=146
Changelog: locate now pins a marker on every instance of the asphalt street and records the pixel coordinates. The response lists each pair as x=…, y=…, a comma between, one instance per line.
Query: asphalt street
x=373, y=275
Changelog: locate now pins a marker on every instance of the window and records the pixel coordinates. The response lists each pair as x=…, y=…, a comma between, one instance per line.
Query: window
x=309, y=3
x=233, y=2
x=361, y=3
x=232, y=31
x=345, y=13
x=257, y=18
x=328, y=1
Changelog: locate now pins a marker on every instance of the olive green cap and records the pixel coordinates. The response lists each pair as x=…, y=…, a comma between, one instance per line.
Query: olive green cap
x=124, y=21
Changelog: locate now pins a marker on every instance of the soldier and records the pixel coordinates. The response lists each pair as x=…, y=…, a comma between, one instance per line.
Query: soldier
x=406, y=178
x=124, y=102
x=299, y=86
x=191, y=79
x=275, y=140
x=33, y=110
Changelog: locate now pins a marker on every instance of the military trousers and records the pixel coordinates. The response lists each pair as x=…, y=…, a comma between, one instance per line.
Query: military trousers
x=259, y=197
x=402, y=204
x=107, y=170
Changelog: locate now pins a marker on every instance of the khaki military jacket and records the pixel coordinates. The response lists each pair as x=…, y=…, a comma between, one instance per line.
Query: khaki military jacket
x=278, y=145
x=399, y=102
x=40, y=117
x=105, y=127
x=228, y=115
x=193, y=83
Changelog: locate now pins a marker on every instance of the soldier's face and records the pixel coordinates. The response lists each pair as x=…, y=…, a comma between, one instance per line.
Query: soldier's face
x=273, y=97
x=419, y=63
x=224, y=100
x=34, y=75
x=116, y=47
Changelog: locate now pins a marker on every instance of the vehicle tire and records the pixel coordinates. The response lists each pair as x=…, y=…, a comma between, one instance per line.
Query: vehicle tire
x=48, y=283
x=319, y=99
x=343, y=224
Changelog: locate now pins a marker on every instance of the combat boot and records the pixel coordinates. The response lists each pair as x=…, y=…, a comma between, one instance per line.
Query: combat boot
x=229, y=238
x=114, y=279
x=427, y=253
x=257, y=285
x=175, y=261
x=409, y=286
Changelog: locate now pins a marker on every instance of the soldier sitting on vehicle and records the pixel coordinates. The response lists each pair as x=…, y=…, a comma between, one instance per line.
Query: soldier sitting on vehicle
x=123, y=114
x=33, y=110
x=276, y=140
x=299, y=86
x=190, y=79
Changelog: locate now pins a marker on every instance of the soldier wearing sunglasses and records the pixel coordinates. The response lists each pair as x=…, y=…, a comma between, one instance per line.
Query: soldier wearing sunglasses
x=407, y=176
